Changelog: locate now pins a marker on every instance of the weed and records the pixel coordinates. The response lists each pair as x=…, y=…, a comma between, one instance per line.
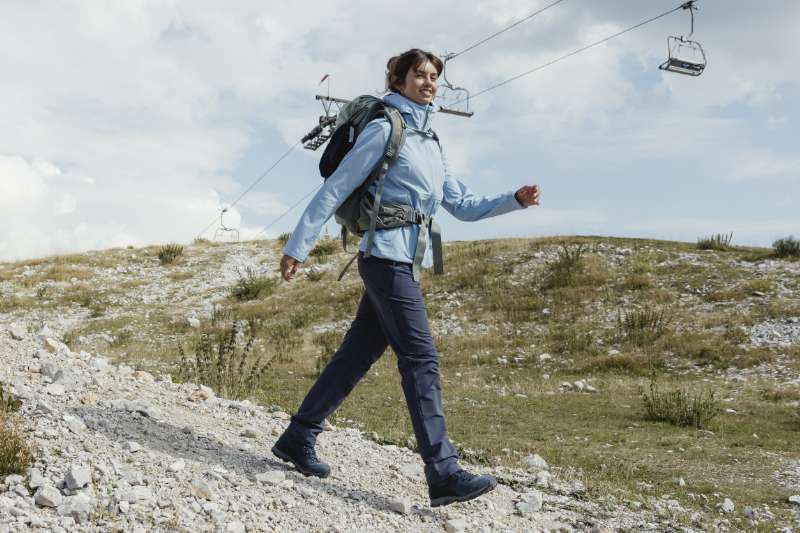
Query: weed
x=284, y=340
x=283, y=238
x=634, y=282
x=680, y=407
x=781, y=394
x=328, y=342
x=221, y=363
x=251, y=285
x=168, y=253
x=220, y=315
x=719, y=242
x=180, y=276
x=15, y=453
x=199, y=241
x=786, y=247
x=637, y=364
x=641, y=326
x=323, y=249
x=314, y=274
x=8, y=403
x=565, y=269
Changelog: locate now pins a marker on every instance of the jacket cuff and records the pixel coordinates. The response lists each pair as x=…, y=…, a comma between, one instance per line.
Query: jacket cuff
x=523, y=206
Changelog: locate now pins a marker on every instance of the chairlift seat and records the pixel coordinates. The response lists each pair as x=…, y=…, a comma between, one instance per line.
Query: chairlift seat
x=684, y=57
x=683, y=67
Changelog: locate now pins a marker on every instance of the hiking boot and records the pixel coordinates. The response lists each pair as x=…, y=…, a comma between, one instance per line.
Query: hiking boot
x=301, y=455
x=460, y=487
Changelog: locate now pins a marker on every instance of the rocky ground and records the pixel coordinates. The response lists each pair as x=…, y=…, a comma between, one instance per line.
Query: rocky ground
x=123, y=450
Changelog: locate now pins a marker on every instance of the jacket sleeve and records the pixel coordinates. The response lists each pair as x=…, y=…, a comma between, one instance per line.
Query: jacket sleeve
x=351, y=172
x=460, y=202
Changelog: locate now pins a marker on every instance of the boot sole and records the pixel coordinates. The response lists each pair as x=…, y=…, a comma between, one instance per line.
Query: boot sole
x=285, y=457
x=447, y=500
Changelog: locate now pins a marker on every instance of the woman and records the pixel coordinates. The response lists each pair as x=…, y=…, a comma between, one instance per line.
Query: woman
x=392, y=311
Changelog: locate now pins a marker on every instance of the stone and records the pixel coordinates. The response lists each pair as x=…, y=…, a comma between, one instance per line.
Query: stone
x=55, y=389
x=579, y=385
x=136, y=494
x=17, y=333
x=89, y=398
x=201, y=488
x=51, y=345
x=749, y=513
x=535, y=462
x=13, y=479
x=48, y=496
x=680, y=482
x=235, y=527
x=124, y=506
x=727, y=506
x=273, y=477
x=529, y=503
x=455, y=525
x=36, y=479
x=193, y=322
x=132, y=446
x=99, y=363
x=543, y=479
x=78, y=507
x=249, y=433
x=77, y=478
x=176, y=466
x=795, y=499
x=400, y=505
x=74, y=424
x=545, y=357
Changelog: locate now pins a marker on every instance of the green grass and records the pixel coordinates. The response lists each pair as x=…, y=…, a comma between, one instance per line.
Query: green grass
x=719, y=242
x=251, y=285
x=169, y=253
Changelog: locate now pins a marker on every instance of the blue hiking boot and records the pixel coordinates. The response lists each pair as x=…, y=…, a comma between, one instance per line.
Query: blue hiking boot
x=301, y=455
x=460, y=487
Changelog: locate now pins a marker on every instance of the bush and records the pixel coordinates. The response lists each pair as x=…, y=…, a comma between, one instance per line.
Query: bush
x=251, y=286
x=680, y=407
x=718, y=242
x=565, y=269
x=168, y=253
x=786, y=247
x=314, y=274
x=323, y=249
x=284, y=339
x=641, y=326
x=220, y=362
x=283, y=238
x=15, y=453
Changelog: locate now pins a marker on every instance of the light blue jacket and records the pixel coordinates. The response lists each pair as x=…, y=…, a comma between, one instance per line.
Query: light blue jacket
x=419, y=177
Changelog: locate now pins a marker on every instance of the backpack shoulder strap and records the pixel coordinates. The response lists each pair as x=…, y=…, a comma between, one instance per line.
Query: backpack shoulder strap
x=397, y=137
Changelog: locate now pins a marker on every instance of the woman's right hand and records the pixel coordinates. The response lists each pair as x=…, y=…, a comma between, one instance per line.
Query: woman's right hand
x=289, y=267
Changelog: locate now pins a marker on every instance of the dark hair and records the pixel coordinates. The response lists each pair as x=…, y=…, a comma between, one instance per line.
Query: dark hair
x=398, y=66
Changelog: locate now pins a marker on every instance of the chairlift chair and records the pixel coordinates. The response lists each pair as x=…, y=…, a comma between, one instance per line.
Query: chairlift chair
x=685, y=56
x=223, y=230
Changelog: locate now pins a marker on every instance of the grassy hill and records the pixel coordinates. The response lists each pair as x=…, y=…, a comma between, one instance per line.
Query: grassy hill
x=652, y=371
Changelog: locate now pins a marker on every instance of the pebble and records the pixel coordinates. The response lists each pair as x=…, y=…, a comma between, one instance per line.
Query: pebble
x=48, y=496
x=78, y=477
x=535, y=462
x=400, y=505
x=727, y=506
x=455, y=525
x=529, y=503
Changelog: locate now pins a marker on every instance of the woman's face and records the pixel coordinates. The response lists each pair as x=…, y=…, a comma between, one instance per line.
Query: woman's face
x=420, y=83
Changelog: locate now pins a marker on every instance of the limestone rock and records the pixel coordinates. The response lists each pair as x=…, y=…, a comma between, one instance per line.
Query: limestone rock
x=535, y=462
x=78, y=477
x=48, y=496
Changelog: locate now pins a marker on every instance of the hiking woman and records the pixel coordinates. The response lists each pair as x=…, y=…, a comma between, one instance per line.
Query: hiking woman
x=392, y=311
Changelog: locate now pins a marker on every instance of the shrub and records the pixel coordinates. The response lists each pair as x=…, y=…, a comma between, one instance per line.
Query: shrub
x=640, y=326
x=565, y=269
x=680, y=407
x=786, y=247
x=283, y=238
x=718, y=242
x=251, y=285
x=323, y=249
x=15, y=453
x=314, y=274
x=220, y=362
x=284, y=339
x=168, y=253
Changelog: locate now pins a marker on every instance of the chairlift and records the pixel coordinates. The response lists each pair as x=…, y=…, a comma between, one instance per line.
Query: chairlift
x=685, y=56
x=461, y=93
x=223, y=230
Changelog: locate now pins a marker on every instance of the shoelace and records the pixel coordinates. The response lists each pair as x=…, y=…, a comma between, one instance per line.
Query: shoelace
x=309, y=453
x=463, y=475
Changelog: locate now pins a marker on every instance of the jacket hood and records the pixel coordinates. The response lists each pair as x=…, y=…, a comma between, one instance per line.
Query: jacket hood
x=417, y=116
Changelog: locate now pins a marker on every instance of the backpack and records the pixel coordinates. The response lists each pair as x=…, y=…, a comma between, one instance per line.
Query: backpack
x=362, y=213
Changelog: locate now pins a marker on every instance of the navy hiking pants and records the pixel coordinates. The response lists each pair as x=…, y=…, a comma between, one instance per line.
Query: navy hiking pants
x=391, y=313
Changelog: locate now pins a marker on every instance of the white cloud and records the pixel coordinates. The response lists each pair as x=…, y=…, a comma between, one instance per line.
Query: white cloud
x=763, y=163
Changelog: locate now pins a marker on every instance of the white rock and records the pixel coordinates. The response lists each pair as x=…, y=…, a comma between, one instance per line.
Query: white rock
x=579, y=385
x=589, y=388
x=177, y=466
x=74, y=424
x=48, y=496
x=235, y=527
x=124, y=506
x=200, y=488
x=543, y=479
x=795, y=499
x=36, y=479
x=51, y=345
x=545, y=357
x=17, y=333
x=13, y=479
x=99, y=363
x=249, y=433
x=530, y=502
x=193, y=322
x=535, y=462
x=400, y=505
x=727, y=506
x=78, y=507
x=680, y=482
x=78, y=477
x=273, y=477
x=133, y=446
x=455, y=525
x=55, y=389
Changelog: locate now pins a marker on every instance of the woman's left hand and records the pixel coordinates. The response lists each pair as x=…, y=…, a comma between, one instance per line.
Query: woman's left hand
x=528, y=195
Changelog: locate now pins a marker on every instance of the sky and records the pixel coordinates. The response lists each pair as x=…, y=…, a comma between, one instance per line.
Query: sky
x=135, y=123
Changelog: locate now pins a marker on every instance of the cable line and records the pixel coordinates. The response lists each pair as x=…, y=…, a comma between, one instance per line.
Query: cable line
x=449, y=57
x=275, y=164
x=265, y=228
x=574, y=52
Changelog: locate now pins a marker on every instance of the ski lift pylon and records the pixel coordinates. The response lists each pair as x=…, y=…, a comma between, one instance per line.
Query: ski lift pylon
x=685, y=56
